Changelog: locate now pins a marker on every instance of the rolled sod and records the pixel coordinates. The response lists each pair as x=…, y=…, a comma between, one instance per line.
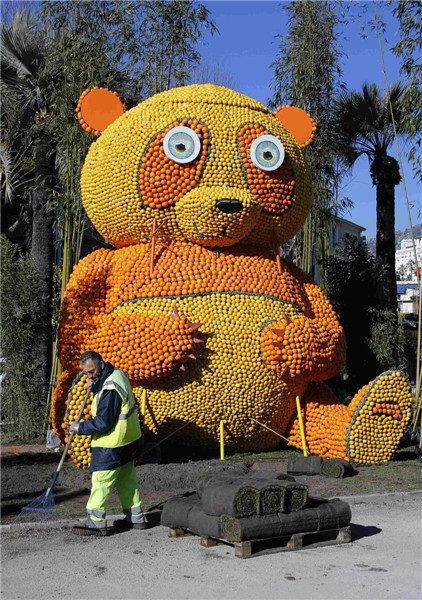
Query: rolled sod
x=232, y=496
x=297, y=496
x=272, y=499
x=175, y=513
x=304, y=465
x=333, y=514
x=220, y=478
x=294, y=497
x=337, y=468
x=244, y=496
x=203, y=524
x=270, y=475
x=273, y=494
x=323, y=515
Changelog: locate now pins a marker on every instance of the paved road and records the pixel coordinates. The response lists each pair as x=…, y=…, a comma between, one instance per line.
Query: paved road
x=383, y=561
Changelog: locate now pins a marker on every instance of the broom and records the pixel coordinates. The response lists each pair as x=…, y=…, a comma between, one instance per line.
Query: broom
x=43, y=507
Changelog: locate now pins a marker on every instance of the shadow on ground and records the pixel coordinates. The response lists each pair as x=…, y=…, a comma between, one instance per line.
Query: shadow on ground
x=29, y=458
x=13, y=505
x=362, y=531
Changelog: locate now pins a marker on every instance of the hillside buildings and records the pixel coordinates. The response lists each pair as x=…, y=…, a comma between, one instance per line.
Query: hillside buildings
x=405, y=259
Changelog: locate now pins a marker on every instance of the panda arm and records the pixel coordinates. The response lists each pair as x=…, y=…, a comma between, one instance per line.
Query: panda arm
x=310, y=348
x=144, y=346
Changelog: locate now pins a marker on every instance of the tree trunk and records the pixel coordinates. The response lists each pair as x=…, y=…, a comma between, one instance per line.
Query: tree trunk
x=385, y=173
x=42, y=254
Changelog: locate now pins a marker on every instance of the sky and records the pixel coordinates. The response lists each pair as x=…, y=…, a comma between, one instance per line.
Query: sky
x=246, y=45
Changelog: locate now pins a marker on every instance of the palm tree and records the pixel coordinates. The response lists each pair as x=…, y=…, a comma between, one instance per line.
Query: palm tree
x=365, y=126
x=25, y=125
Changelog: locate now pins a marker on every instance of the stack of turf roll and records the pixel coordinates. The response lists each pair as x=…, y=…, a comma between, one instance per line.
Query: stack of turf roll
x=304, y=465
x=314, y=465
x=250, y=507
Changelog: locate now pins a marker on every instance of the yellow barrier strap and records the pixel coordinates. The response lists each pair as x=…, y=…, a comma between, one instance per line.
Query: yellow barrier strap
x=269, y=429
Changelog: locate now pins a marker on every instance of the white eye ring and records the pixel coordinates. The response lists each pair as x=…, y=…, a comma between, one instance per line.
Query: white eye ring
x=267, y=144
x=181, y=144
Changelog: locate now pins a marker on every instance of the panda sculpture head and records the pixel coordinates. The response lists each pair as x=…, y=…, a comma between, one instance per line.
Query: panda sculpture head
x=210, y=165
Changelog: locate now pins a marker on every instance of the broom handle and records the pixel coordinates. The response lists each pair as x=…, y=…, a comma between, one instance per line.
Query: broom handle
x=69, y=441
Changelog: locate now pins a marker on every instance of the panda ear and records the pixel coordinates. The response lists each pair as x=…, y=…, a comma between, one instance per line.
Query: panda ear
x=98, y=108
x=297, y=122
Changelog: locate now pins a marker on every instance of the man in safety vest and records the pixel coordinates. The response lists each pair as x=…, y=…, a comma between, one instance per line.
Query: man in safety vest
x=116, y=435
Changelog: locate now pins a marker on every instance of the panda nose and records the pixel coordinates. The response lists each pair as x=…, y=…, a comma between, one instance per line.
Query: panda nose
x=229, y=205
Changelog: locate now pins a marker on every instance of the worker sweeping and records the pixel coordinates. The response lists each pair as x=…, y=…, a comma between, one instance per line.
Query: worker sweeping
x=116, y=436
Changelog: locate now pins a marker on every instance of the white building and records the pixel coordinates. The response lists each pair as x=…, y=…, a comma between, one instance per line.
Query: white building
x=340, y=229
x=407, y=297
x=407, y=254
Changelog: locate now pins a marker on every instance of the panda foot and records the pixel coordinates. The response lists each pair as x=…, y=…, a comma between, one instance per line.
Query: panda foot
x=381, y=415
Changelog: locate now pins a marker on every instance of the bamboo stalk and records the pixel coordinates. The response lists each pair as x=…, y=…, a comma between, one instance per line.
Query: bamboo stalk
x=418, y=366
x=418, y=407
x=397, y=144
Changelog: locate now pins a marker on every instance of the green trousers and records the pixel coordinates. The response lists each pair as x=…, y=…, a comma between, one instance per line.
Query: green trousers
x=125, y=481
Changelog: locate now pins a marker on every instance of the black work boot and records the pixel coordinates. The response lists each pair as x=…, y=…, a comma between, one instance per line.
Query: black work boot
x=125, y=525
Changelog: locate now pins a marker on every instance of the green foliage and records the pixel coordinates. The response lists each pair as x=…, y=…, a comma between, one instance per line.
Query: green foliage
x=25, y=129
x=23, y=107
x=409, y=50
x=386, y=340
x=374, y=341
x=171, y=33
x=406, y=271
x=307, y=75
x=21, y=408
x=364, y=121
x=216, y=73
x=88, y=46
x=22, y=54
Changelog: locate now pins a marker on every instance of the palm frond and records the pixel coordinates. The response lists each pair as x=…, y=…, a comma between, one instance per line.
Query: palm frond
x=21, y=48
x=10, y=168
x=6, y=173
x=364, y=119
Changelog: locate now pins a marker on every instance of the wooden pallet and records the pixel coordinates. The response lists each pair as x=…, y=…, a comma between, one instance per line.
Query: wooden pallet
x=297, y=541
x=176, y=532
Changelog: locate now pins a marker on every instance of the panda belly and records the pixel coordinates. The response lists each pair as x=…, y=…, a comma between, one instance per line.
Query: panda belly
x=229, y=380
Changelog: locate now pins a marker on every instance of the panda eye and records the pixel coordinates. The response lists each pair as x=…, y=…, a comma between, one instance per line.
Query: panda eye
x=181, y=144
x=267, y=152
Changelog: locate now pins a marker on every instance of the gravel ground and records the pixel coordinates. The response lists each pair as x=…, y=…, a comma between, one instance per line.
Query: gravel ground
x=383, y=561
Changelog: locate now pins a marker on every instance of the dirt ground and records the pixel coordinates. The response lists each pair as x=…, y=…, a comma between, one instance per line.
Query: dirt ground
x=27, y=471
